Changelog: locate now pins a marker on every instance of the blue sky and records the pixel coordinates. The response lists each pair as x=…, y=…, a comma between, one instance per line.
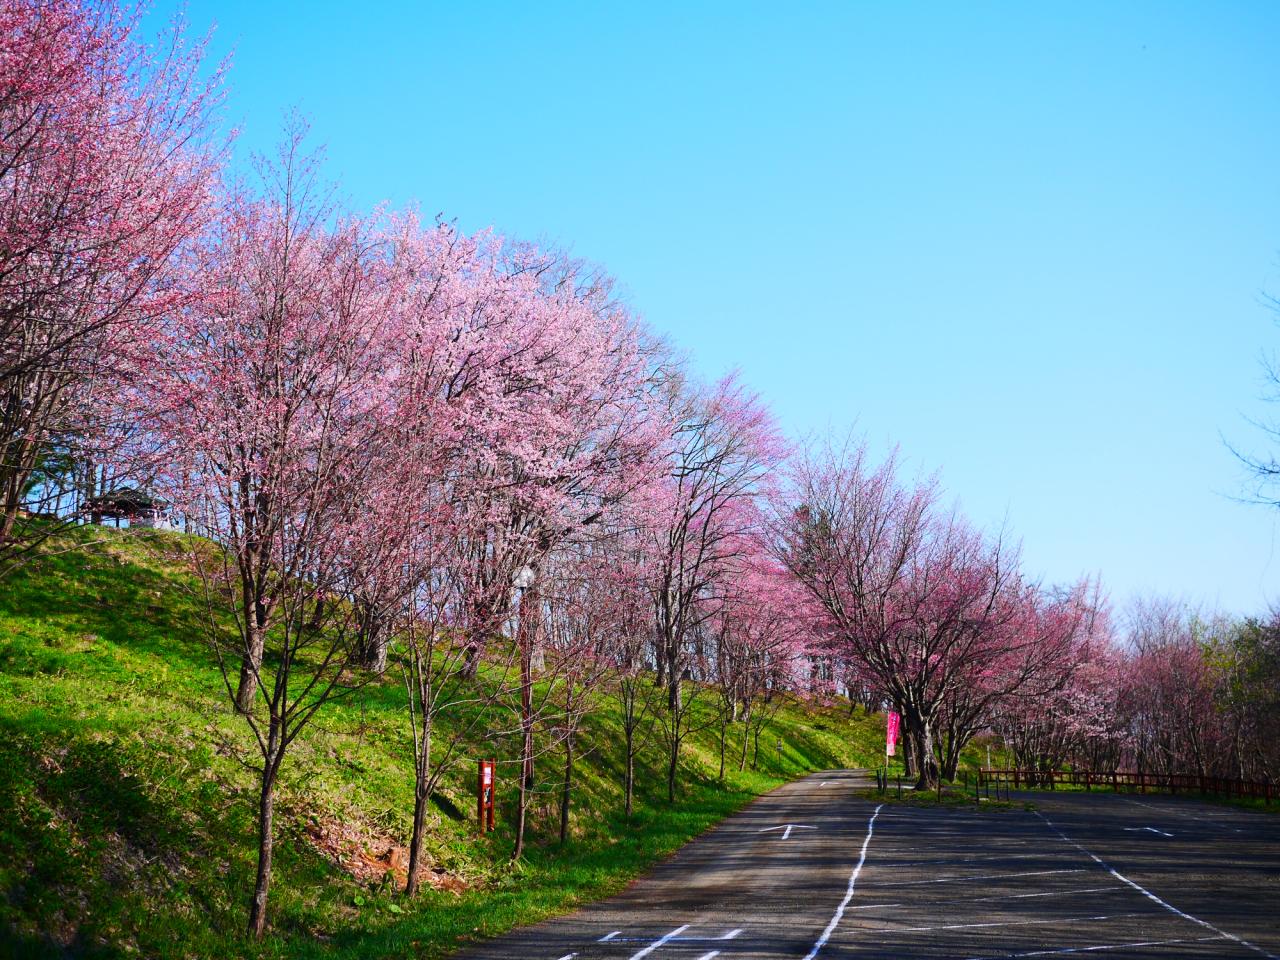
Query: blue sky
x=1028, y=243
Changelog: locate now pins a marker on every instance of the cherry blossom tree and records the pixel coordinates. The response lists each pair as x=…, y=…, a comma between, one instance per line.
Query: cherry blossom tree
x=107, y=163
x=264, y=418
x=1039, y=640
x=726, y=446
x=761, y=630
x=925, y=604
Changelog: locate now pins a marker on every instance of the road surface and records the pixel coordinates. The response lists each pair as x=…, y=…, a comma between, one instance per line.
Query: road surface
x=813, y=870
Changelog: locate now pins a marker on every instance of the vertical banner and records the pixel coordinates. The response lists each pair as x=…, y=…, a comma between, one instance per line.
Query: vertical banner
x=891, y=733
x=484, y=796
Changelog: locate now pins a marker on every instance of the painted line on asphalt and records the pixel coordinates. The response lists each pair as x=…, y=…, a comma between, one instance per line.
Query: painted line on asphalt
x=708, y=956
x=1096, y=949
x=987, y=876
x=950, y=860
x=1218, y=821
x=659, y=942
x=787, y=828
x=568, y=956
x=1017, y=923
x=1151, y=896
x=848, y=894
x=1152, y=829
x=1009, y=896
x=615, y=938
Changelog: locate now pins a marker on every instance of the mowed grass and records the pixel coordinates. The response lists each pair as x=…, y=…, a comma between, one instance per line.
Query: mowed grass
x=126, y=802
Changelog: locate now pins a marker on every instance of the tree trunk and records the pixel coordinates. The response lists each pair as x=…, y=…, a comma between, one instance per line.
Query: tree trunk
x=566, y=791
x=672, y=763
x=371, y=640
x=526, y=754
x=415, y=841
x=724, y=732
x=250, y=664
x=922, y=731
x=629, y=778
x=525, y=631
x=908, y=756
x=675, y=705
x=266, y=814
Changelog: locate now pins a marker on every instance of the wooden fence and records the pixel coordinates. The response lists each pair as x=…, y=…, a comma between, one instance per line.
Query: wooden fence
x=1134, y=782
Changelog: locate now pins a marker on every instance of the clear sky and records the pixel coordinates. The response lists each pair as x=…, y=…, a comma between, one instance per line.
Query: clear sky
x=1027, y=242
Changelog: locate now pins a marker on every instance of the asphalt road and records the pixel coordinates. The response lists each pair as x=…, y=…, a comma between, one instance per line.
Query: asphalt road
x=1082, y=874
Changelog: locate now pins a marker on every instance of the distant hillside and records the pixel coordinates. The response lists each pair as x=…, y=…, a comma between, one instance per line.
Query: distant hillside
x=126, y=823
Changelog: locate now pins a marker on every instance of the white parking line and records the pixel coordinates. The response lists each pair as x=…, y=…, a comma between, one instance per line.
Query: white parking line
x=1015, y=923
x=1183, y=813
x=1096, y=949
x=1151, y=896
x=708, y=956
x=659, y=942
x=988, y=876
x=848, y=894
x=1008, y=896
x=988, y=856
x=608, y=936
x=568, y=956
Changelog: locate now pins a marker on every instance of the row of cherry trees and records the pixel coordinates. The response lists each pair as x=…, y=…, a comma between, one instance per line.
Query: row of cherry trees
x=1171, y=691
x=461, y=462
x=918, y=609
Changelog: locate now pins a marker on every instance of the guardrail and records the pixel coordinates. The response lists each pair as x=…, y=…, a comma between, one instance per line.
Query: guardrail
x=1134, y=782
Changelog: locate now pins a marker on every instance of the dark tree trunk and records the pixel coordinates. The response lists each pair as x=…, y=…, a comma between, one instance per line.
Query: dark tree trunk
x=415, y=840
x=266, y=816
x=567, y=789
x=675, y=705
x=247, y=688
x=371, y=641
x=629, y=778
x=672, y=764
x=724, y=732
x=908, y=755
x=526, y=631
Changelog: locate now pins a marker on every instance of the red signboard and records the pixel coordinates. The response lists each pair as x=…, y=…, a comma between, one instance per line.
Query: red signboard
x=484, y=796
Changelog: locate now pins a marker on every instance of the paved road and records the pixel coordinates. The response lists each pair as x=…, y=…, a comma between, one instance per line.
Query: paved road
x=1083, y=874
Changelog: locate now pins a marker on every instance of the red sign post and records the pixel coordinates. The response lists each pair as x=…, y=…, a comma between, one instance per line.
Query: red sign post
x=484, y=796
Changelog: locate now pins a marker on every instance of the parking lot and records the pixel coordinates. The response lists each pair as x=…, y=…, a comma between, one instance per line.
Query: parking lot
x=1077, y=873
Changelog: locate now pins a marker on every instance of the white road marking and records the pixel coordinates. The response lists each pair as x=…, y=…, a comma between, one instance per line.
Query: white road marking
x=1152, y=829
x=1183, y=813
x=1010, y=896
x=1100, y=947
x=1151, y=896
x=568, y=956
x=615, y=938
x=949, y=860
x=1014, y=923
x=659, y=942
x=848, y=895
x=608, y=936
x=987, y=876
x=787, y=828
x=708, y=956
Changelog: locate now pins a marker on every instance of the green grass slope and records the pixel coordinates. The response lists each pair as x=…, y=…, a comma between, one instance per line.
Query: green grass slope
x=126, y=808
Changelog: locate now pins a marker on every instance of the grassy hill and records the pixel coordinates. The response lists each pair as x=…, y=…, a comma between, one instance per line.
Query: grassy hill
x=126, y=811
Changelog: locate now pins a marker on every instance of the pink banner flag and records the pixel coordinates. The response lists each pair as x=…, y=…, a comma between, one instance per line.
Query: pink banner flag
x=891, y=734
